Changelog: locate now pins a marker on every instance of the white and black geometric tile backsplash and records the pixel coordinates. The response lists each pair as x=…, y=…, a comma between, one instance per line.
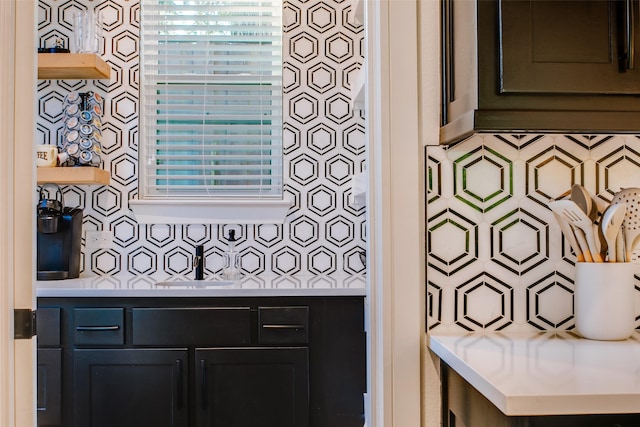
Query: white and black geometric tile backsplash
x=324, y=146
x=496, y=259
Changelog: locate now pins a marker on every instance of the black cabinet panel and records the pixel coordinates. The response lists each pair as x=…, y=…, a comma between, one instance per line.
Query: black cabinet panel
x=98, y=326
x=267, y=387
x=48, y=326
x=191, y=326
x=283, y=325
x=49, y=367
x=464, y=406
x=551, y=46
x=49, y=377
x=338, y=364
x=130, y=387
x=598, y=420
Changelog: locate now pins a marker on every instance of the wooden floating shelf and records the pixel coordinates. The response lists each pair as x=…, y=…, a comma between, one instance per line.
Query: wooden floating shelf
x=80, y=175
x=59, y=66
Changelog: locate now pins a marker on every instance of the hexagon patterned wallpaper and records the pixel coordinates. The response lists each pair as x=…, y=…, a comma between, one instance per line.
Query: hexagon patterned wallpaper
x=324, y=147
x=496, y=258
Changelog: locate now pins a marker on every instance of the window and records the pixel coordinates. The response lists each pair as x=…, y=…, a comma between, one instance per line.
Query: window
x=211, y=100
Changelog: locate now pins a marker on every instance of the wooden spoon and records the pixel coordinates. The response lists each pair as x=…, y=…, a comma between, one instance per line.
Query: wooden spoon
x=581, y=197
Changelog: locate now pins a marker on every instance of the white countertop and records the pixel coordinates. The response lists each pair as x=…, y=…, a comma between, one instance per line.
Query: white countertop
x=547, y=373
x=250, y=286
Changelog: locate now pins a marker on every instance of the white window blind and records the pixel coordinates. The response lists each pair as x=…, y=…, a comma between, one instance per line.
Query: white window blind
x=211, y=99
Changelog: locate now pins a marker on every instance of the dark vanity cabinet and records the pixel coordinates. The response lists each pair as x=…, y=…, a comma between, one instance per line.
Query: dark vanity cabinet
x=540, y=65
x=281, y=362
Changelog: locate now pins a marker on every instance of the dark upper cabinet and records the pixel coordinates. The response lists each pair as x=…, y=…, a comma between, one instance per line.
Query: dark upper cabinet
x=566, y=47
x=539, y=65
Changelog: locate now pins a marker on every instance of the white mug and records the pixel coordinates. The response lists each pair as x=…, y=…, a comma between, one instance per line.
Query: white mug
x=46, y=155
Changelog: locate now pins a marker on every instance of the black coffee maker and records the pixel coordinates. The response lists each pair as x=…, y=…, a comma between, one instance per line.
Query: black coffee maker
x=59, y=237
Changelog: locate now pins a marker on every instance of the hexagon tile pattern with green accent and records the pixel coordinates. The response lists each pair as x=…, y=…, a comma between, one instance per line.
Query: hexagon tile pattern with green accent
x=483, y=178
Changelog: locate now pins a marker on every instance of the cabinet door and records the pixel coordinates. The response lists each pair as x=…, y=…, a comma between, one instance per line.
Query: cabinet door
x=247, y=387
x=542, y=66
x=459, y=61
x=49, y=373
x=576, y=46
x=130, y=387
x=49, y=386
x=464, y=406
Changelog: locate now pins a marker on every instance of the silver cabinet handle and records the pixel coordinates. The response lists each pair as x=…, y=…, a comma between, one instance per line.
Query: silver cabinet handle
x=279, y=326
x=97, y=328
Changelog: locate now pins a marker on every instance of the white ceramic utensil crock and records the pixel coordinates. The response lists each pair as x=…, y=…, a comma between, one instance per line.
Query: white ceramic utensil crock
x=604, y=300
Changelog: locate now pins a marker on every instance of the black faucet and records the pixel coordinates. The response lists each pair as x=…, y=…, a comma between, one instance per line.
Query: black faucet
x=198, y=262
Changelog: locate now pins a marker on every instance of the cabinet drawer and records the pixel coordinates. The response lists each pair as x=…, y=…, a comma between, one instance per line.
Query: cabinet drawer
x=98, y=326
x=191, y=326
x=283, y=325
x=48, y=326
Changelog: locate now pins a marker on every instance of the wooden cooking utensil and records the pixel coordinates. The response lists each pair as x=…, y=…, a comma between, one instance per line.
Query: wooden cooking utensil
x=568, y=233
x=581, y=197
x=575, y=216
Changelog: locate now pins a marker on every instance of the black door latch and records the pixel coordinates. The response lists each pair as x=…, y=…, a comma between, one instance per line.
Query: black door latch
x=24, y=323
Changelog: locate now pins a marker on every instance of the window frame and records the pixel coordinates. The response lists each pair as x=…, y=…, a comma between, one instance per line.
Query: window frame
x=180, y=209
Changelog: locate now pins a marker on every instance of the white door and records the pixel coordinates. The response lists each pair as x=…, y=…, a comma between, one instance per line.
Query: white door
x=17, y=207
